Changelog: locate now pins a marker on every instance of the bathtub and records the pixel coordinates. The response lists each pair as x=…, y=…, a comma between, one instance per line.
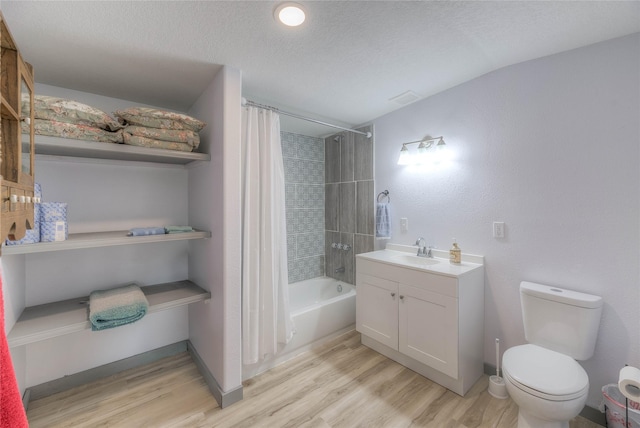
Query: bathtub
x=321, y=308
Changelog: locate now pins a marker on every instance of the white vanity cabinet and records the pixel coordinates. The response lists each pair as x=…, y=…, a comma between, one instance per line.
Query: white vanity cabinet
x=428, y=318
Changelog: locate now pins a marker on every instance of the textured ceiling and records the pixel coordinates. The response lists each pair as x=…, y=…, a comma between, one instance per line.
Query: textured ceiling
x=342, y=65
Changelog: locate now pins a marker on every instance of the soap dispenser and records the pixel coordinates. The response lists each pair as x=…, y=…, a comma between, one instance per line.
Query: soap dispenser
x=455, y=255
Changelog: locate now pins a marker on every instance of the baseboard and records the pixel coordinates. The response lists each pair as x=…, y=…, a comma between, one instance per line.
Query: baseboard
x=81, y=378
x=224, y=399
x=588, y=412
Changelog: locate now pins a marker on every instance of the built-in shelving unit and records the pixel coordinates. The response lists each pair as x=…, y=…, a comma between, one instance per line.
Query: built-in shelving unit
x=69, y=316
x=101, y=239
x=56, y=146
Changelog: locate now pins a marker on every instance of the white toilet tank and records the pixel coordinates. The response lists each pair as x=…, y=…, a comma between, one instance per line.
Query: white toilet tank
x=561, y=320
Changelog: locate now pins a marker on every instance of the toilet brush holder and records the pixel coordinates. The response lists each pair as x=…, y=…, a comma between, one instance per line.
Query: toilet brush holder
x=497, y=387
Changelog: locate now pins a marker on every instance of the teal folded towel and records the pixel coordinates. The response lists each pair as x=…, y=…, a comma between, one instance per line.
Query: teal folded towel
x=116, y=307
x=178, y=229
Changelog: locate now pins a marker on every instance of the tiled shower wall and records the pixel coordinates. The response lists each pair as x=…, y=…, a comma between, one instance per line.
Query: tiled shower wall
x=304, y=168
x=349, y=206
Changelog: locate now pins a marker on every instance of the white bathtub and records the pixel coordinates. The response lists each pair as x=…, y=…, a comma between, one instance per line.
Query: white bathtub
x=321, y=308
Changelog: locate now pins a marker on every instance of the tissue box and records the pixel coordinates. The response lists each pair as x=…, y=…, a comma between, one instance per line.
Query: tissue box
x=51, y=231
x=53, y=211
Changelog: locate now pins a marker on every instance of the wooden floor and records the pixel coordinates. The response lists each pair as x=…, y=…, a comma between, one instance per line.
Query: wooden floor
x=341, y=384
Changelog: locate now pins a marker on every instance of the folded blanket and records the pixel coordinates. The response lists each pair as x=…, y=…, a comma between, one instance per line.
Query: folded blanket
x=135, y=140
x=172, y=135
x=116, y=307
x=144, y=231
x=178, y=229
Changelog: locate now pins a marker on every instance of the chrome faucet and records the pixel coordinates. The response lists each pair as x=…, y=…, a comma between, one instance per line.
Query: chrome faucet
x=423, y=251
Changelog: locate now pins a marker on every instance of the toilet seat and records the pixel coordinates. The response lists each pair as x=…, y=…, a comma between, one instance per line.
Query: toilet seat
x=544, y=373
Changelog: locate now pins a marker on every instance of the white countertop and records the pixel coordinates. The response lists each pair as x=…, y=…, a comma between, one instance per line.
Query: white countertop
x=405, y=256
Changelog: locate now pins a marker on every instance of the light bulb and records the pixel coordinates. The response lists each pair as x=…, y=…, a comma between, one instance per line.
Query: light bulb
x=290, y=14
x=405, y=157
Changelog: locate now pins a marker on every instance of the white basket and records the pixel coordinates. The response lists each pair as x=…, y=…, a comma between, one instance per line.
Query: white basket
x=616, y=410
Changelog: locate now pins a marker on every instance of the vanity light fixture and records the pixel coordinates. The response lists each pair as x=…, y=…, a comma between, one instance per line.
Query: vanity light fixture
x=289, y=13
x=427, y=152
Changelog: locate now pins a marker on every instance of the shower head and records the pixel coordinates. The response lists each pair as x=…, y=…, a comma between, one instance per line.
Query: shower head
x=337, y=138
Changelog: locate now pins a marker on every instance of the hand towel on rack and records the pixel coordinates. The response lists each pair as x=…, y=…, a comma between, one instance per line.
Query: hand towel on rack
x=144, y=231
x=383, y=220
x=116, y=307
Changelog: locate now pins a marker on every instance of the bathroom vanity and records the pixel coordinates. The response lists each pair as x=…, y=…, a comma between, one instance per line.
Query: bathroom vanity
x=425, y=313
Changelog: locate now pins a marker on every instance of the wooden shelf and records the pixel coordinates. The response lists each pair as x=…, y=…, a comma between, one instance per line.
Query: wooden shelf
x=56, y=146
x=42, y=322
x=100, y=239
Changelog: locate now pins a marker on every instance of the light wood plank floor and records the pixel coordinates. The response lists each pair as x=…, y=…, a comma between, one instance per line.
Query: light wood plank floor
x=341, y=384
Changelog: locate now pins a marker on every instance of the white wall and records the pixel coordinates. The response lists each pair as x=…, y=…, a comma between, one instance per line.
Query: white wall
x=102, y=196
x=550, y=147
x=214, y=204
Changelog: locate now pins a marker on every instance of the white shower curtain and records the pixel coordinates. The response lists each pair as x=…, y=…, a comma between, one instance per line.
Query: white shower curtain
x=266, y=320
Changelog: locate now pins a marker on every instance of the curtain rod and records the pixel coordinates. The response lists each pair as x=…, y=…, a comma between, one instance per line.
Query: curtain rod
x=246, y=102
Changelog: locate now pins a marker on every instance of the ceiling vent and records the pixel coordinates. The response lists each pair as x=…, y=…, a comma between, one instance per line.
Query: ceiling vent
x=405, y=98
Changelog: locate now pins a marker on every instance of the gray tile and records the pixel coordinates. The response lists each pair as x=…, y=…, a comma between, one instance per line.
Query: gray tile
x=310, y=244
x=347, y=258
x=331, y=255
x=347, y=210
x=291, y=247
x=307, y=268
x=332, y=204
x=346, y=157
x=310, y=196
x=365, y=220
x=363, y=244
x=363, y=155
x=332, y=160
x=305, y=220
x=290, y=196
x=310, y=148
x=289, y=146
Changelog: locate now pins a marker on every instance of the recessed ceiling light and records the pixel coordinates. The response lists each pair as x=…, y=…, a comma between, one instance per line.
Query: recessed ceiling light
x=290, y=14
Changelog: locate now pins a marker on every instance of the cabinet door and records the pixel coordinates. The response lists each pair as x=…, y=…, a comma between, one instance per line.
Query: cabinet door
x=377, y=309
x=429, y=328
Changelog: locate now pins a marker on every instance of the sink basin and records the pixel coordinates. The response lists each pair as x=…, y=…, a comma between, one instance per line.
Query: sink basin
x=415, y=260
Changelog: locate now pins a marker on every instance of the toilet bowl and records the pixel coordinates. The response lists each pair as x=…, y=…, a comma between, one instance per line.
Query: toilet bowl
x=543, y=377
x=549, y=388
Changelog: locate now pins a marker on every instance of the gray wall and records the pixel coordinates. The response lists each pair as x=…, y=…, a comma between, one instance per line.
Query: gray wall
x=349, y=206
x=303, y=158
x=550, y=147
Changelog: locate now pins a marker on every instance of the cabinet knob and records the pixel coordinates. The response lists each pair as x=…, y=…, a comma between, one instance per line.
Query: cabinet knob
x=393, y=294
x=401, y=297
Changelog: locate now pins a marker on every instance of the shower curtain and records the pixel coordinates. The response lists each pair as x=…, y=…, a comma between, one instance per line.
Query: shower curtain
x=266, y=320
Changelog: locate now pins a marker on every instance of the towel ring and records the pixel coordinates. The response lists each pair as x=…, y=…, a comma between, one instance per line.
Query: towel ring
x=384, y=194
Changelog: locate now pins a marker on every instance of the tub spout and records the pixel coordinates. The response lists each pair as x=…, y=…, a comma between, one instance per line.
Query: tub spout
x=340, y=270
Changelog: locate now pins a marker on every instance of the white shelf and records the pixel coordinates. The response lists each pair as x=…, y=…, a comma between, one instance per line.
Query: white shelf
x=42, y=322
x=100, y=239
x=56, y=146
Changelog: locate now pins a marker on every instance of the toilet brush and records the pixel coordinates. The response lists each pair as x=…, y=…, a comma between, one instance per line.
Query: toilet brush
x=497, y=387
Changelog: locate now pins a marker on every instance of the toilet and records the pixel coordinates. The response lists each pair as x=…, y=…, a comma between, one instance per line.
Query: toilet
x=543, y=377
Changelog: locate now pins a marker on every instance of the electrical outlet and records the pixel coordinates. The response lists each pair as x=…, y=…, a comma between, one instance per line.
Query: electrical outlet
x=498, y=229
x=404, y=225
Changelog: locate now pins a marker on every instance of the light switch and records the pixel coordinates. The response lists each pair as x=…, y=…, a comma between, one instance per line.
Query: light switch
x=498, y=229
x=404, y=225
